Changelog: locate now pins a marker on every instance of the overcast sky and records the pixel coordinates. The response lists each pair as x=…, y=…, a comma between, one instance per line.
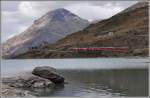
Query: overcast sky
x=19, y=15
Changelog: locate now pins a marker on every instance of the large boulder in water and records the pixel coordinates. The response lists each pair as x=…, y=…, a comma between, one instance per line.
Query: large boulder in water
x=49, y=73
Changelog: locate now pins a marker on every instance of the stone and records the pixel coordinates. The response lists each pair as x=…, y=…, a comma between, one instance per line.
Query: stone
x=7, y=91
x=21, y=83
x=27, y=80
x=49, y=73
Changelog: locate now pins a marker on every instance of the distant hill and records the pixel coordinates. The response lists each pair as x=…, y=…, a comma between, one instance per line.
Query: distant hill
x=128, y=28
x=51, y=27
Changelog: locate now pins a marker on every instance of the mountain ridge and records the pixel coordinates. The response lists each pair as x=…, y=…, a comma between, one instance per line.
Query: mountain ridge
x=48, y=29
x=128, y=28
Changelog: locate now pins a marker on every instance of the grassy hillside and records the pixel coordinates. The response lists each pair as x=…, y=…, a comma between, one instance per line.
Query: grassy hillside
x=125, y=29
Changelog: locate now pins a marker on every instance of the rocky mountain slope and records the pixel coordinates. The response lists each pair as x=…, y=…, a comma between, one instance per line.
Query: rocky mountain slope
x=48, y=29
x=128, y=28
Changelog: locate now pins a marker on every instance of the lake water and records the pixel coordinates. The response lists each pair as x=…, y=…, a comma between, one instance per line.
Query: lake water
x=89, y=77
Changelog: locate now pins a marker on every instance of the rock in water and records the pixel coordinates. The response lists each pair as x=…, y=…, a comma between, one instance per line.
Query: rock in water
x=27, y=80
x=48, y=73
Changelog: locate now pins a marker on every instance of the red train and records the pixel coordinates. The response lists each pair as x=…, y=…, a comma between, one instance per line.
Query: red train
x=113, y=49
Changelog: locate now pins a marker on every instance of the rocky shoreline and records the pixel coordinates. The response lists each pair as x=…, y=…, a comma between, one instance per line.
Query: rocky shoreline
x=8, y=91
x=40, y=77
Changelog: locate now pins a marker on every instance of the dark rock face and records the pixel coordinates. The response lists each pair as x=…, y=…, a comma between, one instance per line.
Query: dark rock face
x=48, y=73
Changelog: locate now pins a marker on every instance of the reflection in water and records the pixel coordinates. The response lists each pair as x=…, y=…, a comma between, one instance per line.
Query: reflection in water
x=125, y=82
x=52, y=90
